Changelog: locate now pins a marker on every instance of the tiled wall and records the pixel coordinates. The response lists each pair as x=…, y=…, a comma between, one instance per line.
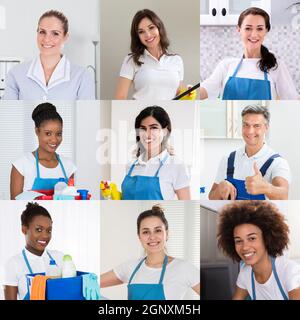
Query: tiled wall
x=217, y=43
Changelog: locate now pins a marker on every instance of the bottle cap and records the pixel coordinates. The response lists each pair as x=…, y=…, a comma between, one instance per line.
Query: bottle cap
x=67, y=257
x=61, y=180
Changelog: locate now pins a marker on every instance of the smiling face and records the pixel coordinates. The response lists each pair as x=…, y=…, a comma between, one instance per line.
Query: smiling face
x=249, y=244
x=38, y=234
x=253, y=31
x=51, y=36
x=148, y=34
x=151, y=134
x=49, y=135
x=254, y=130
x=153, y=235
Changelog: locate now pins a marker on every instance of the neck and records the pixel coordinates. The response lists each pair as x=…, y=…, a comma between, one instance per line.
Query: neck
x=155, y=259
x=252, y=54
x=45, y=155
x=34, y=251
x=263, y=269
x=151, y=153
x=50, y=62
x=156, y=52
x=252, y=150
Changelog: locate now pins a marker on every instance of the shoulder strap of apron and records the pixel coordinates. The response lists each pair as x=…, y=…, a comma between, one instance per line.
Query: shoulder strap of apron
x=163, y=271
x=266, y=76
x=278, y=280
x=253, y=285
x=132, y=167
x=267, y=164
x=136, y=270
x=62, y=167
x=161, y=164
x=26, y=261
x=237, y=68
x=230, y=165
x=37, y=164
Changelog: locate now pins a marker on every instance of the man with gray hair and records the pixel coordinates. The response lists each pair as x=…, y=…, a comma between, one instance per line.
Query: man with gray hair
x=253, y=172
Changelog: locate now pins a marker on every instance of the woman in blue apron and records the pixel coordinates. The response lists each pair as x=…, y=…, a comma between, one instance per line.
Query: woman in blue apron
x=155, y=174
x=34, y=258
x=255, y=234
x=257, y=75
x=41, y=169
x=156, y=276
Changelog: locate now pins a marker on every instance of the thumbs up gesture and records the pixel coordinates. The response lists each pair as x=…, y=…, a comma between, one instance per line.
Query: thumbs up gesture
x=256, y=184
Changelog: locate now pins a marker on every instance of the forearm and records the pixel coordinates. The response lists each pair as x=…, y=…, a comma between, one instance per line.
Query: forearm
x=274, y=192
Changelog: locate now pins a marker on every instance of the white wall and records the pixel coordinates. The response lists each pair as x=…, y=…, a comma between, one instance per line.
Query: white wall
x=19, y=38
x=76, y=231
x=120, y=243
x=181, y=19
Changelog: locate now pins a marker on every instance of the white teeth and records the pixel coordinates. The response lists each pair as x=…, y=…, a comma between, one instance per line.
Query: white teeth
x=42, y=242
x=153, y=244
x=250, y=254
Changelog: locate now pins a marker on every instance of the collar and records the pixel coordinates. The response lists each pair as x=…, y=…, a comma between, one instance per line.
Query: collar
x=258, y=154
x=147, y=53
x=31, y=256
x=141, y=160
x=60, y=74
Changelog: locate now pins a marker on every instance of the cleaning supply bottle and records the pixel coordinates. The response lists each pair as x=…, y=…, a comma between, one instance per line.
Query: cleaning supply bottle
x=60, y=186
x=52, y=270
x=70, y=190
x=68, y=267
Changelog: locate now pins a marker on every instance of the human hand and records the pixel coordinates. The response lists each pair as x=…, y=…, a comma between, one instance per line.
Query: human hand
x=256, y=184
x=226, y=190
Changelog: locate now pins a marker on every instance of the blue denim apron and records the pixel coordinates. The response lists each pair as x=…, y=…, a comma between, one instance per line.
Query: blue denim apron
x=247, y=89
x=242, y=193
x=46, y=183
x=147, y=291
x=285, y=297
x=142, y=187
x=27, y=296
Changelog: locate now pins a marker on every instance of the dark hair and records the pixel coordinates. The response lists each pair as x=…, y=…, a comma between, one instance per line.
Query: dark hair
x=44, y=112
x=159, y=114
x=136, y=47
x=33, y=210
x=59, y=15
x=156, y=211
x=268, y=59
x=257, y=109
x=263, y=214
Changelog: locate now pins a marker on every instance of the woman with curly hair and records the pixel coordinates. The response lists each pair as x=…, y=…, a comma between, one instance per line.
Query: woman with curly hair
x=255, y=234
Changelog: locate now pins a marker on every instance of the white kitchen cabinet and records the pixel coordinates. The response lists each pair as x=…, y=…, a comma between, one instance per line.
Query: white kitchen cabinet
x=226, y=12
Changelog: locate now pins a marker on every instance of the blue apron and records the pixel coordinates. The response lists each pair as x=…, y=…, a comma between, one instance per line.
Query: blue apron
x=242, y=193
x=147, y=291
x=247, y=89
x=27, y=296
x=46, y=183
x=142, y=187
x=285, y=297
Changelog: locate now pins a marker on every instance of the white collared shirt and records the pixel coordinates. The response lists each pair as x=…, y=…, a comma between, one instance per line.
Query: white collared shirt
x=154, y=79
x=243, y=165
x=15, y=269
x=26, y=81
x=282, y=85
x=173, y=175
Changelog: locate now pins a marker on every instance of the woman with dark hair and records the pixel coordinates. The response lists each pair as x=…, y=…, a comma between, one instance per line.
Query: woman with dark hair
x=156, y=276
x=156, y=173
x=255, y=234
x=34, y=258
x=154, y=72
x=42, y=168
x=259, y=75
x=50, y=76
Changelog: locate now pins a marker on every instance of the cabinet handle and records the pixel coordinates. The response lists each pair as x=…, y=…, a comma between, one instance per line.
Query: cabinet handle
x=224, y=12
x=214, y=12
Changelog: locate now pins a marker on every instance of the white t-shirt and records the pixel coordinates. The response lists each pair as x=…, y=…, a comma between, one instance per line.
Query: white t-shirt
x=154, y=79
x=173, y=175
x=179, y=277
x=243, y=165
x=15, y=269
x=27, y=168
x=282, y=85
x=289, y=275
